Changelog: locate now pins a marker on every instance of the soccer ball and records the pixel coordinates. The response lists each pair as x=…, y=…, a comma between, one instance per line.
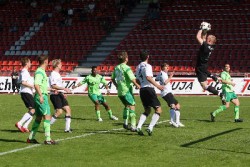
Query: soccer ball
x=205, y=26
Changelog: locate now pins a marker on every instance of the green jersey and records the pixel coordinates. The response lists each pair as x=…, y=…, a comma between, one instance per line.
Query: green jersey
x=93, y=83
x=226, y=87
x=123, y=76
x=41, y=79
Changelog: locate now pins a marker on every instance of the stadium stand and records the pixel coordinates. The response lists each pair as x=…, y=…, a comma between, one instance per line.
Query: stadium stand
x=171, y=38
x=49, y=31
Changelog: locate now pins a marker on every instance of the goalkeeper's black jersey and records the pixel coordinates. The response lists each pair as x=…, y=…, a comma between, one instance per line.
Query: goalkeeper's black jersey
x=204, y=54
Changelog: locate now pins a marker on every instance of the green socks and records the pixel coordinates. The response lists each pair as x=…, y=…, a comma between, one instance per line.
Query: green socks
x=220, y=109
x=110, y=113
x=129, y=114
x=236, y=112
x=98, y=114
x=125, y=115
x=46, y=126
x=132, y=116
x=34, y=129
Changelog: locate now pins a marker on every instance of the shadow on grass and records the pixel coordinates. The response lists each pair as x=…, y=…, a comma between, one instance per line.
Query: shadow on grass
x=121, y=124
x=84, y=119
x=10, y=130
x=188, y=145
x=16, y=131
x=203, y=120
x=116, y=132
x=12, y=141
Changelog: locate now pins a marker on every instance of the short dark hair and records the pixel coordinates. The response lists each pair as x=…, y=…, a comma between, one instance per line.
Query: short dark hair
x=164, y=65
x=42, y=58
x=122, y=56
x=24, y=61
x=144, y=55
x=93, y=67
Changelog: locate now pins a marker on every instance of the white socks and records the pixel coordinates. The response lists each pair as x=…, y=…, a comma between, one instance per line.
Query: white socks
x=172, y=115
x=53, y=120
x=177, y=116
x=154, y=120
x=25, y=119
x=27, y=122
x=67, y=122
x=141, y=121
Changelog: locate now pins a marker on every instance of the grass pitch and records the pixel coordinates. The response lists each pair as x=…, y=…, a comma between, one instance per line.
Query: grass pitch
x=92, y=143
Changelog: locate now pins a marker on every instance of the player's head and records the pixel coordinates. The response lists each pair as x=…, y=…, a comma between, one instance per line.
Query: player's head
x=165, y=67
x=25, y=61
x=211, y=39
x=94, y=70
x=227, y=67
x=57, y=63
x=43, y=59
x=144, y=55
x=122, y=57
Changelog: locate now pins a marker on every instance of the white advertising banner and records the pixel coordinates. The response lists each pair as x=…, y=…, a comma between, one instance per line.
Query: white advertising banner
x=180, y=85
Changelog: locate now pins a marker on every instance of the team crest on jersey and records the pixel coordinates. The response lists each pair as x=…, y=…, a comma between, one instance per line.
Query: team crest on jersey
x=210, y=48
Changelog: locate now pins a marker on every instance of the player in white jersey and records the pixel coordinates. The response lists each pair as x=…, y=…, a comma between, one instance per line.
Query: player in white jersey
x=144, y=76
x=168, y=96
x=58, y=99
x=26, y=91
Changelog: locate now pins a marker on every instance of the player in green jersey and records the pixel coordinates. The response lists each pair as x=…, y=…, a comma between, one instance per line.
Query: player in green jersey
x=93, y=81
x=227, y=89
x=123, y=78
x=42, y=107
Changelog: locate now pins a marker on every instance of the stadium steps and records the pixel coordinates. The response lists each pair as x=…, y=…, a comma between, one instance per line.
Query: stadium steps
x=112, y=40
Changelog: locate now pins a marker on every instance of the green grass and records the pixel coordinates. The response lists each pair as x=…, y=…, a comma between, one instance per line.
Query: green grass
x=200, y=143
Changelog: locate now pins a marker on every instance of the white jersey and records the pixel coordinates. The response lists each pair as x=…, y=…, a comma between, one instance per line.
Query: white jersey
x=162, y=77
x=25, y=77
x=144, y=70
x=55, y=79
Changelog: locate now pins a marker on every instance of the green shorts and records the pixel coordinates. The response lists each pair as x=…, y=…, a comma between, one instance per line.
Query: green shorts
x=99, y=98
x=128, y=99
x=230, y=96
x=44, y=108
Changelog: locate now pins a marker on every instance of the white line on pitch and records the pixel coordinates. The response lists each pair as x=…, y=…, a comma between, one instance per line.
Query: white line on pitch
x=68, y=138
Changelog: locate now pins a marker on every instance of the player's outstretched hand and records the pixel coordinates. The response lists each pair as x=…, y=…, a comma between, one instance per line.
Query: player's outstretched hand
x=171, y=74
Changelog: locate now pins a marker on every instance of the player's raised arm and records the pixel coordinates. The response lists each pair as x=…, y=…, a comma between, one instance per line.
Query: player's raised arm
x=199, y=37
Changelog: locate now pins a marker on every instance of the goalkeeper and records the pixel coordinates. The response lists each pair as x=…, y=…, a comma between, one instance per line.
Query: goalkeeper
x=207, y=43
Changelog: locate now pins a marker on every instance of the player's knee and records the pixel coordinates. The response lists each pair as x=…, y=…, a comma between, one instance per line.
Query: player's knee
x=32, y=111
x=59, y=111
x=224, y=107
x=227, y=105
x=178, y=106
x=158, y=110
x=67, y=109
x=172, y=106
